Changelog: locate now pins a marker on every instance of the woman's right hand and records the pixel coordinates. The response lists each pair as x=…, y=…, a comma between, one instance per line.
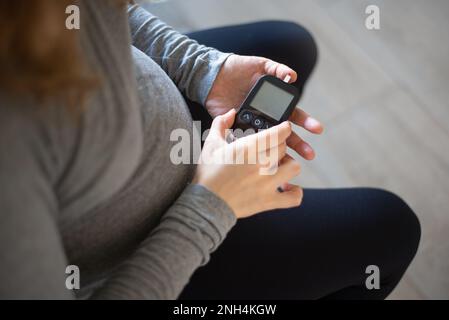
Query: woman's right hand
x=245, y=186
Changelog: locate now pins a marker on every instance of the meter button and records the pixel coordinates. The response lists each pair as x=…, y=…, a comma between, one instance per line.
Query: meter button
x=258, y=123
x=246, y=117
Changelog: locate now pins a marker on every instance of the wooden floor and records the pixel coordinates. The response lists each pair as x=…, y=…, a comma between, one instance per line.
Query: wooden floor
x=383, y=96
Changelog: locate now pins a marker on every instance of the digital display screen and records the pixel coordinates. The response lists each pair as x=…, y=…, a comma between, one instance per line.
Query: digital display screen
x=272, y=100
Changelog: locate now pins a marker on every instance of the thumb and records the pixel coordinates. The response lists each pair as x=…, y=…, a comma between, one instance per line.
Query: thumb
x=280, y=71
x=221, y=124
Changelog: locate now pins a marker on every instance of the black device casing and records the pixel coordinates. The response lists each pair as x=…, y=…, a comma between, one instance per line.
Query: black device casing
x=257, y=114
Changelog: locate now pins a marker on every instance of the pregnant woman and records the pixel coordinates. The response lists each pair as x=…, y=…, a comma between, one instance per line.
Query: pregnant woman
x=86, y=177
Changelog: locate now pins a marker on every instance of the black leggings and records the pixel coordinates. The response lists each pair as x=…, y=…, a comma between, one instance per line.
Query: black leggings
x=322, y=248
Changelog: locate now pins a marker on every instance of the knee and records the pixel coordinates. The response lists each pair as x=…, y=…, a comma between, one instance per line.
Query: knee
x=401, y=227
x=301, y=35
x=298, y=39
x=303, y=40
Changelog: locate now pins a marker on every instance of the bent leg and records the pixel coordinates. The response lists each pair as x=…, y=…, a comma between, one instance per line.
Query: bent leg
x=318, y=250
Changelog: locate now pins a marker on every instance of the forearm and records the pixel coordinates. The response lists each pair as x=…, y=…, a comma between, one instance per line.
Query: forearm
x=160, y=268
x=191, y=66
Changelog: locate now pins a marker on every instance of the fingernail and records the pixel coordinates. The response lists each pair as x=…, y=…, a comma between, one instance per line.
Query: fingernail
x=309, y=151
x=311, y=123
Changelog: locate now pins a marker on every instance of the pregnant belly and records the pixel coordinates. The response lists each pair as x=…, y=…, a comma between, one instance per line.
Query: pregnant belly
x=104, y=237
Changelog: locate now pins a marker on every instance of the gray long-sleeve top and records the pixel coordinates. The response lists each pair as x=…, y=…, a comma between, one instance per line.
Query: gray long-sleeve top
x=101, y=193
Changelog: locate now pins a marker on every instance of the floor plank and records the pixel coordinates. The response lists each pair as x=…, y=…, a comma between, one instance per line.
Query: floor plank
x=409, y=46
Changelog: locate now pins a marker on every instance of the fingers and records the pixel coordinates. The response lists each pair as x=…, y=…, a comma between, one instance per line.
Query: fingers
x=280, y=71
x=287, y=170
x=287, y=186
x=292, y=194
x=266, y=139
x=271, y=157
x=291, y=198
x=301, y=147
x=305, y=121
x=312, y=125
x=221, y=124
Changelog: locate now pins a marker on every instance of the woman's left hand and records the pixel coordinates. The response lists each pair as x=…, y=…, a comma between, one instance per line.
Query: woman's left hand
x=236, y=78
